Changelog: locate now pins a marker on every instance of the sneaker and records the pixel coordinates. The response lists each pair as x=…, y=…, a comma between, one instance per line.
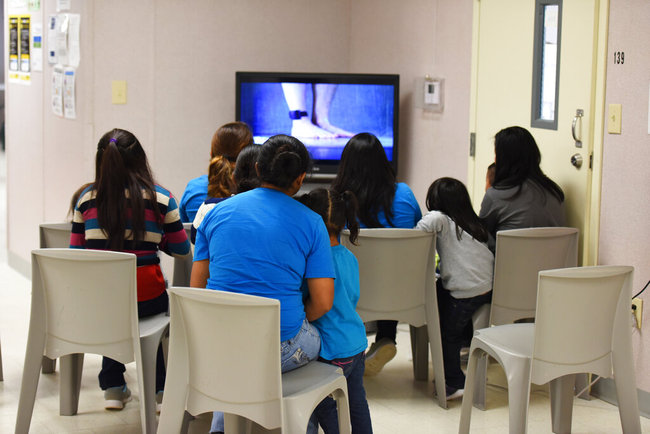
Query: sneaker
x=453, y=393
x=115, y=397
x=159, y=398
x=378, y=355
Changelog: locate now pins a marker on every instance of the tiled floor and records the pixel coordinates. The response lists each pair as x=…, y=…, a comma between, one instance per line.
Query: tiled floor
x=398, y=404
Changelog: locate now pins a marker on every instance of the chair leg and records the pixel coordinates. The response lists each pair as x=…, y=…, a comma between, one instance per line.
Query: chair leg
x=48, y=365
x=343, y=409
x=480, y=397
x=420, y=352
x=582, y=382
x=518, y=374
x=562, y=403
x=470, y=384
x=172, y=416
x=71, y=367
x=149, y=351
x=628, y=403
x=31, y=375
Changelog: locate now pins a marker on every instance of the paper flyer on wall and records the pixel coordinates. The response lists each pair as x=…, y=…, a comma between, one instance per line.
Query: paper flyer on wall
x=13, y=43
x=57, y=90
x=37, y=47
x=51, y=39
x=73, y=40
x=62, y=5
x=61, y=44
x=69, y=103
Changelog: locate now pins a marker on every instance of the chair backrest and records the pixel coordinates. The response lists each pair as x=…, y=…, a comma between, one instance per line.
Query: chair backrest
x=228, y=346
x=54, y=235
x=396, y=267
x=520, y=255
x=183, y=266
x=581, y=313
x=87, y=301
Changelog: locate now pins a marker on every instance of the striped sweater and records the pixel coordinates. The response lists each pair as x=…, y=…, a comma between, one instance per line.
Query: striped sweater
x=170, y=238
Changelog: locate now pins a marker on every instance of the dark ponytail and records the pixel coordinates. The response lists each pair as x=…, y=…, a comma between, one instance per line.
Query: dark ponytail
x=282, y=159
x=220, y=182
x=337, y=210
x=123, y=180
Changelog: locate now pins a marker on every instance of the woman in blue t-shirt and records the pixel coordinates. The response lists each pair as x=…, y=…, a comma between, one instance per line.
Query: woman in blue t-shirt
x=264, y=243
x=383, y=203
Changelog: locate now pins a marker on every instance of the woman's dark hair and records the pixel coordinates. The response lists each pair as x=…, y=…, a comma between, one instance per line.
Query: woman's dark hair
x=365, y=171
x=230, y=139
x=282, y=159
x=123, y=181
x=220, y=182
x=245, y=175
x=518, y=159
x=336, y=209
x=449, y=196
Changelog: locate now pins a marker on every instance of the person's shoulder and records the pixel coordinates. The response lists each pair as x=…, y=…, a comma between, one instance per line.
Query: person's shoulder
x=162, y=190
x=198, y=181
x=343, y=254
x=402, y=187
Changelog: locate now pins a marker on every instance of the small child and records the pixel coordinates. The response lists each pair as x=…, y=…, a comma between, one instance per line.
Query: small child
x=466, y=267
x=343, y=335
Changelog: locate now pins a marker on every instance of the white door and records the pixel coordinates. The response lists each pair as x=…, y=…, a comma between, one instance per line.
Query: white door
x=504, y=39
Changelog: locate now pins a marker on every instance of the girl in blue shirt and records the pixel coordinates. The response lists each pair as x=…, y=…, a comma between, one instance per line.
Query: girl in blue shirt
x=343, y=335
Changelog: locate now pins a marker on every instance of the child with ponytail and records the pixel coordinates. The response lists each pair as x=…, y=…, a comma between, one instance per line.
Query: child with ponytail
x=343, y=335
x=124, y=210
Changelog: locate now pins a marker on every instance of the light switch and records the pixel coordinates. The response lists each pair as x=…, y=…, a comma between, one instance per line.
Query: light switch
x=614, y=119
x=118, y=92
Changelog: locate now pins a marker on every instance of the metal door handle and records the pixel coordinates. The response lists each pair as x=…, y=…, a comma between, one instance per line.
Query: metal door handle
x=579, y=114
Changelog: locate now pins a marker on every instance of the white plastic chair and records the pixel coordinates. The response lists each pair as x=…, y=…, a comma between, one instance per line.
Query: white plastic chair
x=520, y=255
x=582, y=325
x=397, y=278
x=224, y=355
x=53, y=235
x=183, y=265
x=84, y=301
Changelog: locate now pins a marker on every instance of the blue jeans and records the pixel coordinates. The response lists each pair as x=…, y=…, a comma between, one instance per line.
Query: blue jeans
x=325, y=413
x=455, y=317
x=294, y=353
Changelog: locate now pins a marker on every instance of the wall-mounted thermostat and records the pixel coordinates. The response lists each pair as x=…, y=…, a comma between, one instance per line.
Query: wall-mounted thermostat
x=429, y=94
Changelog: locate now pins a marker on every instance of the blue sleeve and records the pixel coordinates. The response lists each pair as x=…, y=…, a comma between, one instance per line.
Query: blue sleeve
x=319, y=260
x=406, y=210
x=202, y=245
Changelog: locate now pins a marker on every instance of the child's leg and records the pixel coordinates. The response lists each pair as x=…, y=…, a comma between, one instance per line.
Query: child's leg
x=455, y=315
x=326, y=413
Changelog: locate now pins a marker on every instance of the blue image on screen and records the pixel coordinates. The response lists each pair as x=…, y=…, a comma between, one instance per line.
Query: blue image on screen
x=354, y=107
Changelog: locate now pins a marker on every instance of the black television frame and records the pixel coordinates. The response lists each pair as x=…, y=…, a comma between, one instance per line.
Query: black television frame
x=325, y=168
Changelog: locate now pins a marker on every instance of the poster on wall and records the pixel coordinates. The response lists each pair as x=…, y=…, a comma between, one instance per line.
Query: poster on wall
x=69, y=104
x=37, y=47
x=34, y=5
x=13, y=43
x=57, y=90
x=24, y=43
x=52, y=25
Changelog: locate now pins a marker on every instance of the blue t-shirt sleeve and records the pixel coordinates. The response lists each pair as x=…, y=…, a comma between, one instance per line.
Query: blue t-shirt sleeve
x=202, y=245
x=406, y=210
x=319, y=261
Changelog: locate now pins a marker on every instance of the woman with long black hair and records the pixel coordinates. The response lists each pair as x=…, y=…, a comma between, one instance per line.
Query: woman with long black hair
x=522, y=195
x=124, y=210
x=383, y=203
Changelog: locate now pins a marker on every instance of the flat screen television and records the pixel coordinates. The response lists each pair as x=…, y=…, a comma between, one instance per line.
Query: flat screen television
x=322, y=110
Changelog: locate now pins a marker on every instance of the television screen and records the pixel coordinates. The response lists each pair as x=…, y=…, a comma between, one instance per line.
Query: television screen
x=322, y=110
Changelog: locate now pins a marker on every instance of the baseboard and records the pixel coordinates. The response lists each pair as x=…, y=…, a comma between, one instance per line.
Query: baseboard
x=19, y=264
x=605, y=389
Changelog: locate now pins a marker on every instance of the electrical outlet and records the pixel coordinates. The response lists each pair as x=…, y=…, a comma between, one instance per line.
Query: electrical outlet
x=637, y=311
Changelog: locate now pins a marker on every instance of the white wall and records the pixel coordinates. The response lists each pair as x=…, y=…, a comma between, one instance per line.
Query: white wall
x=625, y=198
x=179, y=64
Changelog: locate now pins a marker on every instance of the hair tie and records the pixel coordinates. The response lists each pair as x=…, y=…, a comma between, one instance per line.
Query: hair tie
x=113, y=140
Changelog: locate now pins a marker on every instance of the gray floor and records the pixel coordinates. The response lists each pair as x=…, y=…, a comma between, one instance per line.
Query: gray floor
x=397, y=403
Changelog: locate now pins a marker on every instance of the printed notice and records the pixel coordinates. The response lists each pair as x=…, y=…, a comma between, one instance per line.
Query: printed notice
x=24, y=43
x=73, y=39
x=57, y=91
x=13, y=43
x=37, y=47
x=69, y=109
x=51, y=39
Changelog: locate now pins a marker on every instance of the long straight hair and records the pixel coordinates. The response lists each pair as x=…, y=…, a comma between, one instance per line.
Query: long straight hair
x=124, y=182
x=365, y=171
x=518, y=159
x=449, y=196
